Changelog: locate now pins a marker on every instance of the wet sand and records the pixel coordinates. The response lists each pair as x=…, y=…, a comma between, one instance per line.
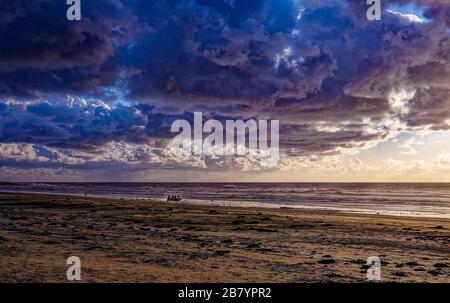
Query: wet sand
x=143, y=241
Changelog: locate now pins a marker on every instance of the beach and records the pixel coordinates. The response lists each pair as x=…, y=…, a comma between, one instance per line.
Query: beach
x=135, y=240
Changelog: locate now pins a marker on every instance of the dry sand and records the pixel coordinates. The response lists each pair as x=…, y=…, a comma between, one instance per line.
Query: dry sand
x=142, y=241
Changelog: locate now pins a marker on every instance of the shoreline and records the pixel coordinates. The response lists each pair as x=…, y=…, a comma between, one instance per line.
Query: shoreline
x=142, y=241
x=249, y=204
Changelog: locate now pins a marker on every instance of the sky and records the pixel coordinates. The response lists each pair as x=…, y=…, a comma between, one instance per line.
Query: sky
x=94, y=100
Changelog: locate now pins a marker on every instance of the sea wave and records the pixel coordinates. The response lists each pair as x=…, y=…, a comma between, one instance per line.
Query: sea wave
x=424, y=200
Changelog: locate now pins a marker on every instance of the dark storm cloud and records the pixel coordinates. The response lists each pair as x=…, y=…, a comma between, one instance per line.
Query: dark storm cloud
x=83, y=124
x=42, y=52
x=213, y=51
x=334, y=79
x=76, y=124
x=430, y=107
x=322, y=60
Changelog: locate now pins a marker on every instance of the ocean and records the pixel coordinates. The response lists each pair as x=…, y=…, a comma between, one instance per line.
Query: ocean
x=399, y=199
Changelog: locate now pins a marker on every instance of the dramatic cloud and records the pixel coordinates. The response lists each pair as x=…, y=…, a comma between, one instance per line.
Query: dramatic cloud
x=42, y=52
x=337, y=82
x=74, y=123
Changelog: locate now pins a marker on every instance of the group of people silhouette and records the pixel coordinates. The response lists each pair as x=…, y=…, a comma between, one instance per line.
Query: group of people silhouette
x=173, y=198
